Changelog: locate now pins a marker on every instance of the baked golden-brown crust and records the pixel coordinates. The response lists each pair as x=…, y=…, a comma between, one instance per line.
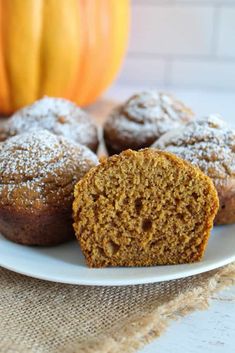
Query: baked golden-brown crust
x=226, y=194
x=38, y=171
x=144, y=208
x=209, y=144
x=57, y=115
x=142, y=119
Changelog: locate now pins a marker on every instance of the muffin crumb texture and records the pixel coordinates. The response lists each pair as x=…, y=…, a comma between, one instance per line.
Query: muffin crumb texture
x=144, y=208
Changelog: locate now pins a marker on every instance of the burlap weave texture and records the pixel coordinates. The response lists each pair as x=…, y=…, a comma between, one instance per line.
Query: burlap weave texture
x=42, y=317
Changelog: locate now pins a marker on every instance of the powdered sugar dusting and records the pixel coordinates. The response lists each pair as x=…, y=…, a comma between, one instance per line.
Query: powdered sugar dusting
x=39, y=166
x=207, y=143
x=153, y=106
x=56, y=115
x=147, y=115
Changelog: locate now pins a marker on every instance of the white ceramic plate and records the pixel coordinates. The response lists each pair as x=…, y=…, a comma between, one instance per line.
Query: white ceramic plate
x=66, y=264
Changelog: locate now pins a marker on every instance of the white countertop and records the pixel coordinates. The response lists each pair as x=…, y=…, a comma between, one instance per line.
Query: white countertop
x=213, y=330
x=209, y=331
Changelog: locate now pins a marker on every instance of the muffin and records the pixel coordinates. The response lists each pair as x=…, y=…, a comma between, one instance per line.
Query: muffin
x=209, y=144
x=59, y=116
x=142, y=119
x=144, y=208
x=38, y=171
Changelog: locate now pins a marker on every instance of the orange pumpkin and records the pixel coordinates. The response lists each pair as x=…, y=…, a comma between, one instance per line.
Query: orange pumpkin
x=64, y=48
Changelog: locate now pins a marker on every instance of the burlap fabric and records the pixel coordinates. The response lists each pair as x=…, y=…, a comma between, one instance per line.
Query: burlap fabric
x=43, y=317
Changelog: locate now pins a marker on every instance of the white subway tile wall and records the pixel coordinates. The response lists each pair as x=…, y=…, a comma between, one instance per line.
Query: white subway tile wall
x=226, y=35
x=170, y=30
x=182, y=43
x=151, y=69
x=206, y=74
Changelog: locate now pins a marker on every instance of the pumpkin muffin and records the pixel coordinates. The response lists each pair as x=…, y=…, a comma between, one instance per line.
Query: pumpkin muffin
x=144, y=208
x=142, y=119
x=38, y=171
x=59, y=116
x=209, y=144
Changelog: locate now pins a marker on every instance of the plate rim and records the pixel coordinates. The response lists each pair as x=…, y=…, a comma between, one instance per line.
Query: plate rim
x=126, y=281
x=123, y=282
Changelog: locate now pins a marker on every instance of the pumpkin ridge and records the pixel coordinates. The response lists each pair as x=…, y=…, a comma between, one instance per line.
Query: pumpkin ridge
x=4, y=81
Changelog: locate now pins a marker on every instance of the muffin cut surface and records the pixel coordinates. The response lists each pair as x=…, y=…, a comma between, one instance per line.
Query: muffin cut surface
x=144, y=208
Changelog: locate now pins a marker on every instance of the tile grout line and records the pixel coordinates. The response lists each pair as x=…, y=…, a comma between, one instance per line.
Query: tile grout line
x=216, y=28
x=183, y=86
x=180, y=3
x=168, y=72
x=182, y=57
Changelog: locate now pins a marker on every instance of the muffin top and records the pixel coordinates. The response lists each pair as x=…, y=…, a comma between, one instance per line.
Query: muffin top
x=144, y=118
x=59, y=116
x=208, y=143
x=38, y=169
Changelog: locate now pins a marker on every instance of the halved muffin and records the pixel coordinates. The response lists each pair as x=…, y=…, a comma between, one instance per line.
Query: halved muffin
x=144, y=208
